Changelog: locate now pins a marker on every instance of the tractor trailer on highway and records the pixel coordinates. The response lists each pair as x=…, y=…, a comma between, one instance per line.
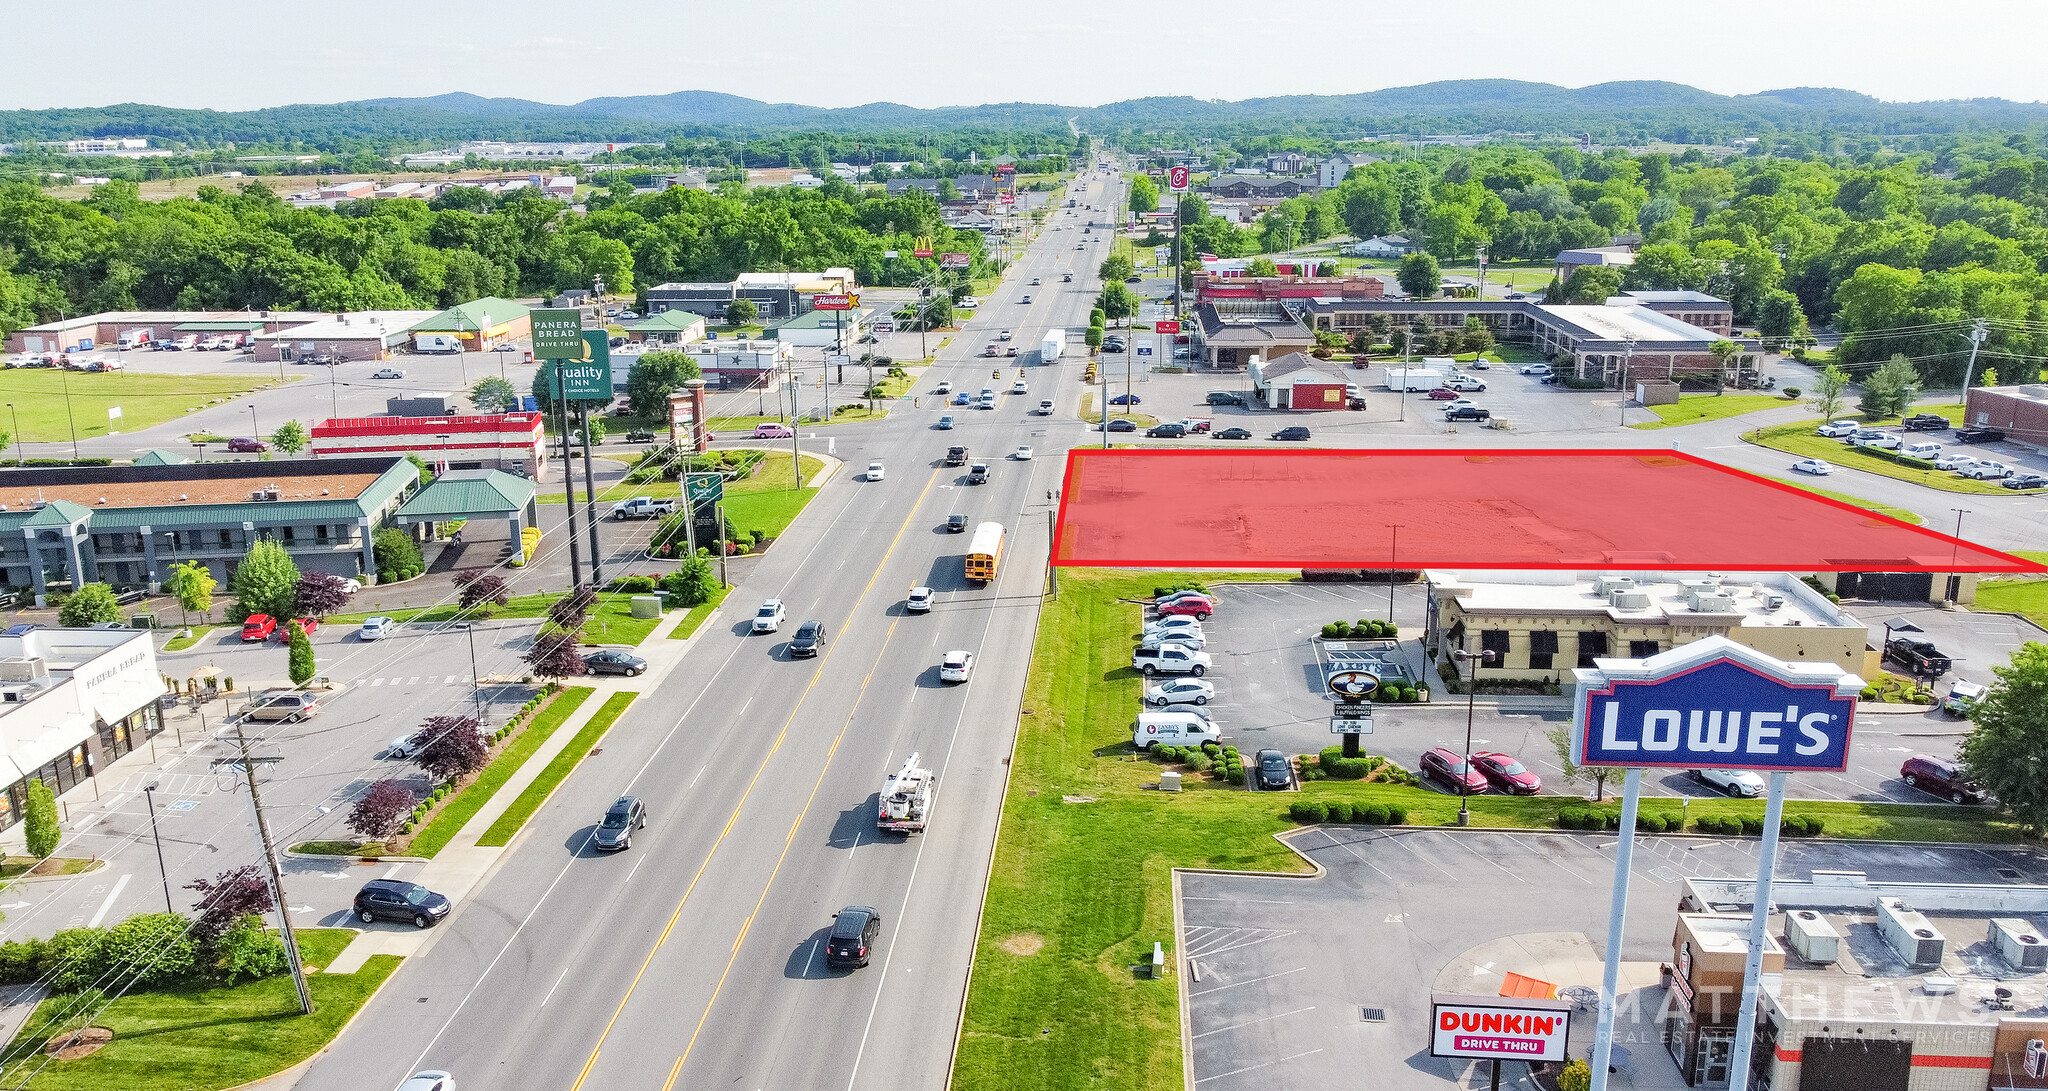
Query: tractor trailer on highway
x=1055, y=343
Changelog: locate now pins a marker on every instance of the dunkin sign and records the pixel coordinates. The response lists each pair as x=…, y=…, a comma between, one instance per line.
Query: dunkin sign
x=1501, y=1027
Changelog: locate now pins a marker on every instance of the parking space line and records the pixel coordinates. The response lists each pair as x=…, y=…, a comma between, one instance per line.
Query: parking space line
x=1460, y=842
x=1247, y=981
x=1253, y=1068
x=1250, y=1022
x=1354, y=855
x=1271, y=933
x=1419, y=856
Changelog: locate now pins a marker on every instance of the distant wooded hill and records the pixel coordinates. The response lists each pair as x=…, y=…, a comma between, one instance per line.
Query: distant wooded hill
x=1623, y=111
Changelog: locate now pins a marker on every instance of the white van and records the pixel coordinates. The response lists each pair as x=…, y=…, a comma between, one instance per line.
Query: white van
x=1929, y=451
x=1171, y=729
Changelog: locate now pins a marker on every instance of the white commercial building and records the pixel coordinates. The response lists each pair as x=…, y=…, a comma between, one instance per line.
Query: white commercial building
x=72, y=702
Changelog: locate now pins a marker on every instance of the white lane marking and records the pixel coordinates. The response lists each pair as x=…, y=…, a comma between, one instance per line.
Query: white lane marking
x=1247, y=981
x=698, y=777
x=1260, y=1019
x=558, y=984
x=109, y=903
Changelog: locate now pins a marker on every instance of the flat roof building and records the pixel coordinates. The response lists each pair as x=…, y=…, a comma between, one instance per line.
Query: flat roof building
x=72, y=702
x=357, y=335
x=497, y=441
x=1541, y=625
x=126, y=525
x=1870, y=985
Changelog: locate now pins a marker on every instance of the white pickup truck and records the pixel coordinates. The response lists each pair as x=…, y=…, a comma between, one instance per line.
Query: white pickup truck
x=643, y=507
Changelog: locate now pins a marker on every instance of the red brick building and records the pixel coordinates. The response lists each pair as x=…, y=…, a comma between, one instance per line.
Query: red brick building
x=2021, y=412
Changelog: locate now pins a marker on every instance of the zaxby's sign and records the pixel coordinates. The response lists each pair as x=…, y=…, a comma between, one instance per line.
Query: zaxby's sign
x=1715, y=704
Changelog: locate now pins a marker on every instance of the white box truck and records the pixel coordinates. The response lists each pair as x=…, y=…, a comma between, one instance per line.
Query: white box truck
x=436, y=342
x=1055, y=343
x=1412, y=378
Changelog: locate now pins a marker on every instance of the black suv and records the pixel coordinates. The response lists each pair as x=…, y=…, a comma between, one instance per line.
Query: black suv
x=1926, y=422
x=1169, y=430
x=1293, y=432
x=854, y=931
x=1978, y=435
x=398, y=900
x=1468, y=412
x=810, y=636
x=640, y=435
x=1919, y=656
x=615, y=833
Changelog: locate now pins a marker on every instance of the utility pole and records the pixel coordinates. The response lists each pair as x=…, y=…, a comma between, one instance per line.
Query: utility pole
x=284, y=916
x=568, y=474
x=1978, y=332
x=1628, y=355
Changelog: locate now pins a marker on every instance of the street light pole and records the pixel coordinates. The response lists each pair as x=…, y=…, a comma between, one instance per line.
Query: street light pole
x=1393, y=549
x=68, y=415
x=1955, y=581
x=1471, y=690
x=161, y=871
x=476, y=687
x=17, y=432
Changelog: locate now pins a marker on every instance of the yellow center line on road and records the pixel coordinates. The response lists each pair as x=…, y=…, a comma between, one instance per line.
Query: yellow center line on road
x=733, y=819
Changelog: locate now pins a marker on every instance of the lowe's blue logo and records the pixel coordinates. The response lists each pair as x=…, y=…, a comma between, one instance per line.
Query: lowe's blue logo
x=1718, y=716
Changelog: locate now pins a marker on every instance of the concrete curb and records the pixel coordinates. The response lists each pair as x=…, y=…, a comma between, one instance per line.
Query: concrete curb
x=292, y=855
x=98, y=864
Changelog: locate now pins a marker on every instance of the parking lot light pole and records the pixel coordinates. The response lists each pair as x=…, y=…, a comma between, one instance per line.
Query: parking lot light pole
x=16, y=413
x=1393, y=549
x=148, y=793
x=1471, y=691
x=476, y=686
x=1955, y=581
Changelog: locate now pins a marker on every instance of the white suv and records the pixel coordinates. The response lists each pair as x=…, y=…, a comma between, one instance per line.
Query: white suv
x=769, y=617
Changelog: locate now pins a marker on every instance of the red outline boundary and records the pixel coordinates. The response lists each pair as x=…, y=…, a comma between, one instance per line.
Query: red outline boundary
x=1076, y=455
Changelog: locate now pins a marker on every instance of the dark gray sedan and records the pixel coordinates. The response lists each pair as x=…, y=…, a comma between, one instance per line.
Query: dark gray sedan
x=613, y=661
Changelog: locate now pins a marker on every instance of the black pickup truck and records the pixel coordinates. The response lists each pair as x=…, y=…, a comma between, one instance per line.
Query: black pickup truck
x=1920, y=657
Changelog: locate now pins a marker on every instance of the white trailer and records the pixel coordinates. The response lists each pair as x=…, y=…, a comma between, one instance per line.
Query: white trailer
x=906, y=797
x=1412, y=378
x=1054, y=344
x=436, y=342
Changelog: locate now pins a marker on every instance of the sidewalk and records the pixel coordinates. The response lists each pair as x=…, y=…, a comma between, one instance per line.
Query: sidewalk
x=462, y=864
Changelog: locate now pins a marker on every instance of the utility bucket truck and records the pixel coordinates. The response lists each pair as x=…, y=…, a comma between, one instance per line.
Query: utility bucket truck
x=906, y=797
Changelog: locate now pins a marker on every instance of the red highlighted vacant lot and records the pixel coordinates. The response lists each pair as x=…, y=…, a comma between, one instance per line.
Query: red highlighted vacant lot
x=1452, y=509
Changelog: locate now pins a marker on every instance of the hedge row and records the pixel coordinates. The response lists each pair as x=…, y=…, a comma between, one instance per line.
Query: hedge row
x=1362, y=629
x=1601, y=818
x=1333, y=764
x=1337, y=810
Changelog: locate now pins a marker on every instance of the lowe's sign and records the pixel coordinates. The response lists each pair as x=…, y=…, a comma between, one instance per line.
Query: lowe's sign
x=1715, y=704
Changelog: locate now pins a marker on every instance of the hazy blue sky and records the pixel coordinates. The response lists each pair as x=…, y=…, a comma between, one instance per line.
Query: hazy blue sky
x=240, y=54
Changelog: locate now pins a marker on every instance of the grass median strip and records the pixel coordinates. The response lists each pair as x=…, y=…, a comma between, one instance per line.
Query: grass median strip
x=1694, y=408
x=180, y=643
x=688, y=627
x=558, y=770
x=1079, y=887
x=1798, y=439
x=200, y=1036
x=472, y=798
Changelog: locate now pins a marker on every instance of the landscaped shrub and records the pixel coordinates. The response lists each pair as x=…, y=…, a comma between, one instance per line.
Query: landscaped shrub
x=1753, y=827
x=1235, y=775
x=1337, y=766
x=1801, y=825
x=1336, y=630
x=1397, y=815
x=1300, y=811
x=1199, y=762
x=1374, y=814
x=1184, y=585
x=634, y=585
x=1719, y=825
x=1339, y=811
x=21, y=961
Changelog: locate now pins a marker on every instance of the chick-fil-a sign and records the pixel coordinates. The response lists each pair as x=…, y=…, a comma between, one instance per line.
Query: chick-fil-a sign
x=1505, y=1027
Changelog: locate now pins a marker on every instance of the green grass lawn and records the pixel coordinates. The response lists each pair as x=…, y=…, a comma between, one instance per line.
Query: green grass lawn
x=442, y=828
x=695, y=619
x=200, y=1037
x=1901, y=514
x=180, y=643
x=1798, y=439
x=558, y=770
x=1079, y=892
x=14, y=867
x=1694, y=408
x=767, y=501
x=2025, y=597
x=611, y=621
x=40, y=397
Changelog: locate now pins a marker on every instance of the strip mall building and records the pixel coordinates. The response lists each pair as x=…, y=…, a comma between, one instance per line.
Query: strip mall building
x=498, y=441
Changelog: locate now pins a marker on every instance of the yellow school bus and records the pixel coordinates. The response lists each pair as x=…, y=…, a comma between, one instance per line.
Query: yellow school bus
x=985, y=554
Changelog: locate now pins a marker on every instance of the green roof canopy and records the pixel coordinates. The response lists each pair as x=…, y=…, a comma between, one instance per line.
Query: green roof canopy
x=468, y=494
x=668, y=320
x=470, y=317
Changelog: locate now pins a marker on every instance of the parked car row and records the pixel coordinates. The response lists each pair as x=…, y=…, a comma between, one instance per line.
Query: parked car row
x=1854, y=434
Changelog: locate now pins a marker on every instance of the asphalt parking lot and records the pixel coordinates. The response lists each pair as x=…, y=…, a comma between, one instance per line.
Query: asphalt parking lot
x=1523, y=400
x=1279, y=973
x=1268, y=677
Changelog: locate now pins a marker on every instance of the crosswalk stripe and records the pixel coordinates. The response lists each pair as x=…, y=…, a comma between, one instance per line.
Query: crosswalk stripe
x=376, y=681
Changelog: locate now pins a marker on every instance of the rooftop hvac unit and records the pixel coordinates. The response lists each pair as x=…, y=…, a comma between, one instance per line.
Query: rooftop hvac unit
x=28, y=668
x=1710, y=601
x=1708, y=585
x=1607, y=585
x=1909, y=933
x=14, y=695
x=1773, y=602
x=1812, y=937
x=2019, y=943
x=1630, y=600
